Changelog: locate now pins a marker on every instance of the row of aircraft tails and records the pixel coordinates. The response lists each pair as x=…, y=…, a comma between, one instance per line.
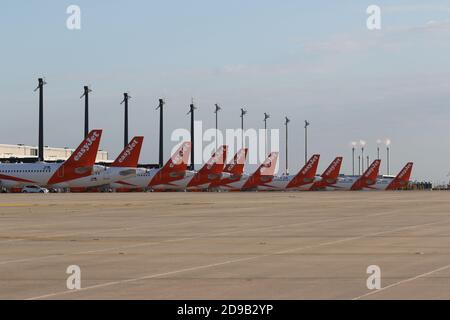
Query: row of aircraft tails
x=80, y=173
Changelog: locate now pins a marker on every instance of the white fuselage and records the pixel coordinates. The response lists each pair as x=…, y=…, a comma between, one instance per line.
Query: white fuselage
x=382, y=183
x=141, y=180
x=236, y=185
x=346, y=183
x=281, y=183
x=17, y=175
x=100, y=176
x=180, y=184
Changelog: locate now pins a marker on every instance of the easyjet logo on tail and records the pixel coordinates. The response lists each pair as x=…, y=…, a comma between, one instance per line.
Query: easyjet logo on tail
x=337, y=162
x=87, y=145
x=131, y=146
x=405, y=170
x=372, y=168
x=310, y=164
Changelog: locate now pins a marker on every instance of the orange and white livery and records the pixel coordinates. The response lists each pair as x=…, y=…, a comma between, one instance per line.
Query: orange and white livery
x=233, y=170
x=173, y=170
x=303, y=180
x=399, y=182
x=74, y=170
x=365, y=182
x=264, y=174
x=329, y=177
x=199, y=180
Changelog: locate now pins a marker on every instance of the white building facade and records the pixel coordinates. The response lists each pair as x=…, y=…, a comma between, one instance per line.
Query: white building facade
x=50, y=154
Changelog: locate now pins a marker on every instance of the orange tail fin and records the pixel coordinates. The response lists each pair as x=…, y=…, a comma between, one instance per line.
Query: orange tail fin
x=236, y=166
x=333, y=170
x=174, y=168
x=81, y=162
x=129, y=157
x=372, y=172
x=402, y=179
x=216, y=162
x=369, y=177
x=307, y=173
x=268, y=167
x=264, y=173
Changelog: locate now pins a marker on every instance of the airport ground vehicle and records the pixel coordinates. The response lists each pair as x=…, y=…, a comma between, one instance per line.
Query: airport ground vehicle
x=34, y=189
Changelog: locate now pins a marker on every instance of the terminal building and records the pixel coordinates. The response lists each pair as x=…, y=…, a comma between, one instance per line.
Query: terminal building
x=22, y=153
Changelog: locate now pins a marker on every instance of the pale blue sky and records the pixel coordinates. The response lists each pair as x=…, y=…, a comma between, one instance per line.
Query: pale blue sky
x=310, y=60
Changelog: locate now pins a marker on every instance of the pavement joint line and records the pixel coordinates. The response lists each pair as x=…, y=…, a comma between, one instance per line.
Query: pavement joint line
x=190, y=238
x=95, y=232
x=195, y=268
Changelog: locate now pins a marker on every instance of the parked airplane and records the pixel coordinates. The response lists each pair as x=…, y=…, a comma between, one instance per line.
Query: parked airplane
x=199, y=180
x=233, y=170
x=365, y=182
x=125, y=166
x=400, y=181
x=303, y=180
x=79, y=166
x=173, y=170
x=329, y=176
x=263, y=175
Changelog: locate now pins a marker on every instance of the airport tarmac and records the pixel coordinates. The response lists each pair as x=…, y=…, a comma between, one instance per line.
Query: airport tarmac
x=293, y=245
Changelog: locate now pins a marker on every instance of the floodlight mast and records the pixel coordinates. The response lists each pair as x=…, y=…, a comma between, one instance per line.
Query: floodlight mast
x=85, y=95
x=243, y=113
x=40, y=87
x=126, y=98
x=161, y=132
x=191, y=112
x=216, y=111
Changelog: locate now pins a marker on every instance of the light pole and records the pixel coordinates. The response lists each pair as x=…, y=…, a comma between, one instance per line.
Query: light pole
x=243, y=113
x=266, y=116
x=388, y=155
x=191, y=112
x=363, y=144
x=126, y=97
x=378, y=149
x=86, y=110
x=353, y=157
x=359, y=165
x=216, y=111
x=368, y=162
x=286, y=122
x=161, y=132
x=40, y=87
x=306, y=140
